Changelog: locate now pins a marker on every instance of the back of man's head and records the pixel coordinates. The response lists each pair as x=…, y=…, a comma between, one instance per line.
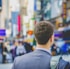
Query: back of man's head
x=43, y=32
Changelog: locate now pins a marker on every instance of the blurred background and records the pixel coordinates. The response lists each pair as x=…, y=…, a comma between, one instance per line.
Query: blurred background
x=17, y=21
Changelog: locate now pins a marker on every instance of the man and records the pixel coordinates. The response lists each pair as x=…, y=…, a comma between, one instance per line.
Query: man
x=40, y=58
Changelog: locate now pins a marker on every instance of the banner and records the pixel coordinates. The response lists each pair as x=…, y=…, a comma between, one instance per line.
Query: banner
x=19, y=24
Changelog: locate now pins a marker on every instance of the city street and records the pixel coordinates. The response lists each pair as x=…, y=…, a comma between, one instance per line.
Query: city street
x=19, y=33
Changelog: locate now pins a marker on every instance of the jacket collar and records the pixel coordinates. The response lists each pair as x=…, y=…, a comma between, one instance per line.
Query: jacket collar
x=44, y=50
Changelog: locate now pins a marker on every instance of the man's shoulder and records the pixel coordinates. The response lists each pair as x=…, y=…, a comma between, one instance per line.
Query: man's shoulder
x=20, y=61
x=32, y=55
x=23, y=57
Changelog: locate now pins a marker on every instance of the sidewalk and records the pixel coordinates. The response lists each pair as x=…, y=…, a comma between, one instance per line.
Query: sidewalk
x=5, y=66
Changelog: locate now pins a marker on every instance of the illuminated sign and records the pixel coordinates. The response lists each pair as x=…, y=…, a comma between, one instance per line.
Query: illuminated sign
x=2, y=32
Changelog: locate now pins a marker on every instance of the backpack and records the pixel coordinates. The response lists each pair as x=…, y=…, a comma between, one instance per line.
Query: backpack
x=59, y=63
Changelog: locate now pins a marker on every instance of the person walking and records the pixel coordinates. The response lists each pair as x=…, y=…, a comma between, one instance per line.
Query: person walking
x=20, y=50
x=40, y=58
x=4, y=52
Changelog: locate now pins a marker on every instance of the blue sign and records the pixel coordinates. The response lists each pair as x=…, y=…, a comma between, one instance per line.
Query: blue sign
x=2, y=32
x=14, y=17
x=14, y=23
x=35, y=6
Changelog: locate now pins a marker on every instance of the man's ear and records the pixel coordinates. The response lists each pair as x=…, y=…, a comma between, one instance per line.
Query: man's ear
x=52, y=39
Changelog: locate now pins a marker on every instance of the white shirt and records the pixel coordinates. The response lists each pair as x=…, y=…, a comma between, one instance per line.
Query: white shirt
x=20, y=49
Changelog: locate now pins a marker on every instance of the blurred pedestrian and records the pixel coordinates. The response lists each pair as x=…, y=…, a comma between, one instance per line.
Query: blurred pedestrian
x=5, y=51
x=13, y=50
x=27, y=46
x=54, y=49
x=20, y=50
x=40, y=58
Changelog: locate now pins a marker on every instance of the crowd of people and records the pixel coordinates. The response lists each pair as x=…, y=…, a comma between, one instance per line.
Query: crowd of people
x=11, y=49
x=47, y=45
x=62, y=40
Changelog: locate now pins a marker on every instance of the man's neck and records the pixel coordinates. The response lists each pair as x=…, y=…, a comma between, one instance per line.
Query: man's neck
x=46, y=46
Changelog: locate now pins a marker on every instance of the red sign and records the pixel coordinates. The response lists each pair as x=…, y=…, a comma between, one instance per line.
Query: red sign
x=19, y=23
